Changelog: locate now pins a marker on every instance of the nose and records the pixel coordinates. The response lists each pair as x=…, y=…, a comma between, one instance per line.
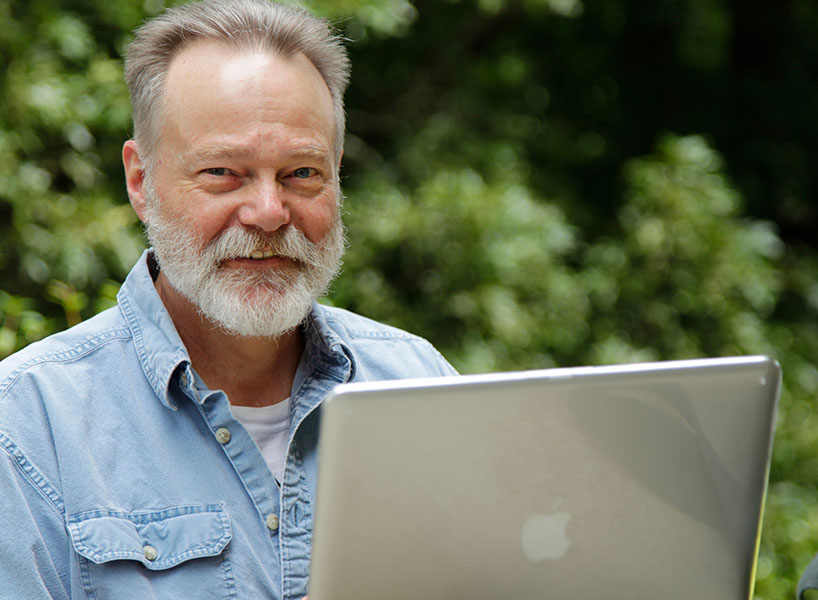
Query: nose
x=265, y=206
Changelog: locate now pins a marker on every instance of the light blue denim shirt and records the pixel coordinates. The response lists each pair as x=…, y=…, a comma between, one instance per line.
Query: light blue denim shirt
x=122, y=476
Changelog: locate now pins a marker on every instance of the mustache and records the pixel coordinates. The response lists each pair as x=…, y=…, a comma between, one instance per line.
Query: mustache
x=240, y=242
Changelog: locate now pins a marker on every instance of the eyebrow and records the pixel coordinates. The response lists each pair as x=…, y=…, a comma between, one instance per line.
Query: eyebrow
x=217, y=152
x=312, y=152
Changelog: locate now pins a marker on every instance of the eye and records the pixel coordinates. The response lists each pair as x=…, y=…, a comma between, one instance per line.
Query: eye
x=304, y=172
x=217, y=171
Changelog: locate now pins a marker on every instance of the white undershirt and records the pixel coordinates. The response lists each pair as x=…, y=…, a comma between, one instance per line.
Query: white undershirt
x=269, y=426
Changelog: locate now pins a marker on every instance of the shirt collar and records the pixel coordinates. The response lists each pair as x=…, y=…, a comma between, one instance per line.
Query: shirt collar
x=158, y=345
x=325, y=348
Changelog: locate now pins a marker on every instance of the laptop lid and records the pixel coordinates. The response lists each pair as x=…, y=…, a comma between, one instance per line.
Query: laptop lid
x=623, y=482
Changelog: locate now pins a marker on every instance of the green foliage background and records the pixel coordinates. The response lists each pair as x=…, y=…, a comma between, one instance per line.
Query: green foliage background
x=529, y=183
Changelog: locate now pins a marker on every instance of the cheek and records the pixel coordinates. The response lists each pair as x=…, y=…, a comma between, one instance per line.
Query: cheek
x=183, y=202
x=204, y=222
x=316, y=220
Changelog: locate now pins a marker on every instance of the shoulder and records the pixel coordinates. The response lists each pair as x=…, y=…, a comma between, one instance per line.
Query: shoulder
x=45, y=392
x=353, y=325
x=381, y=351
x=73, y=347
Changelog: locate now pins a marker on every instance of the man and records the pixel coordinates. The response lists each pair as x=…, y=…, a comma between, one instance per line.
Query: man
x=126, y=471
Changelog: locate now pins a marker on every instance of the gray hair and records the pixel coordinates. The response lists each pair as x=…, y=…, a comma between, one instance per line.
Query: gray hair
x=244, y=24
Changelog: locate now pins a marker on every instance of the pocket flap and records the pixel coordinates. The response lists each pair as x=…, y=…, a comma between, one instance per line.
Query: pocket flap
x=157, y=539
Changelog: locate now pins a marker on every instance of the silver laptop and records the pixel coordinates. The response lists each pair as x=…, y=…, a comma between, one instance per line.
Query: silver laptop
x=628, y=482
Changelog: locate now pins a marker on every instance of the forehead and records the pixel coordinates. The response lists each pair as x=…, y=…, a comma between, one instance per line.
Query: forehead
x=214, y=90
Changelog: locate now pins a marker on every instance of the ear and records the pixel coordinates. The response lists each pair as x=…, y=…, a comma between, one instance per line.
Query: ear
x=134, y=177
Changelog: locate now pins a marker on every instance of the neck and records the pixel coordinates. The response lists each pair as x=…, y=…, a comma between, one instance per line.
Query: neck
x=252, y=371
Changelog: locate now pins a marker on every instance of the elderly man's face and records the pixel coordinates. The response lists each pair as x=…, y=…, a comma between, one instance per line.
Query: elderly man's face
x=243, y=204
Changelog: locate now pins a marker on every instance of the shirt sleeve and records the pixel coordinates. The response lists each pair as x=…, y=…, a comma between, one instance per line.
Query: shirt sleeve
x=34, y=555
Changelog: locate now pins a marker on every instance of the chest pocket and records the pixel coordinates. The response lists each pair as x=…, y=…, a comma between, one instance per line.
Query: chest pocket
x=180, y=552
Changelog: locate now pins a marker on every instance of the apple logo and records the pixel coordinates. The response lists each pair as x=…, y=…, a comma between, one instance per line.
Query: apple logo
x=543, y=536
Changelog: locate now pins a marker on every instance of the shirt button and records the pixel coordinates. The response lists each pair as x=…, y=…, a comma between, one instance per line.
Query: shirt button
x=272, y=522
x=223, y=435
x=149, y=552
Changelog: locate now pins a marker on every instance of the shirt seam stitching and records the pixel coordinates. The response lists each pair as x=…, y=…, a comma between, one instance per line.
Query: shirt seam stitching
x=75, y=352
x=31, y=474
x=384, y=335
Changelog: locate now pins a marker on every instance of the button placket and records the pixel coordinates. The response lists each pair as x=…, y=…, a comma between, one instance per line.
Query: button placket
x=235, y=443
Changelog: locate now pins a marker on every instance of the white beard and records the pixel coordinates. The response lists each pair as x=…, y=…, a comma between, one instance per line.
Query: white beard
x=265, y=303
